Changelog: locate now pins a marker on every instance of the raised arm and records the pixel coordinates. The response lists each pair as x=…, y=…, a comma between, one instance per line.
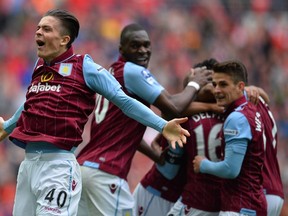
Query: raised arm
x=102, y=82
x=174, y=105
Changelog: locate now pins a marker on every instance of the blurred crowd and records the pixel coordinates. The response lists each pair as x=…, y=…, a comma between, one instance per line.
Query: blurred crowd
x=182, y=32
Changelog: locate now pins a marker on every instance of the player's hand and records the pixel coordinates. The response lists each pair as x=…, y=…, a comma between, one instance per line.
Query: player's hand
x=197, y=162
x=217, y=109
x=173, y=132
x=3, y=133
x=253, y=94
x=200, y=75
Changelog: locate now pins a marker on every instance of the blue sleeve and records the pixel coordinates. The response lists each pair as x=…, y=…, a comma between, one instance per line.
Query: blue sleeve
x=236, y=126
x=99, y=79
x=138, y=111
x=237, y=134
x=10, y=124
x=173, y=160
x=102, y=82
x=139, y=81
x=231, y=165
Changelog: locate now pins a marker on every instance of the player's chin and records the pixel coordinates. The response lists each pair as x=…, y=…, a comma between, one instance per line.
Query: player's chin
x=41, y=53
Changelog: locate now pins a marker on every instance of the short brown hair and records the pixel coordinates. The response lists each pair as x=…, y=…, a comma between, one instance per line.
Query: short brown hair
x=233, y=68
x=69, y=21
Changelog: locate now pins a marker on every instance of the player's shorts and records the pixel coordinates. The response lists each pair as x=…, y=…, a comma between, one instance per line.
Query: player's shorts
x=149, y=204
x=48, y=184
x=274, y=205
x=104, y=194
x=243, y=212
x=180, y=208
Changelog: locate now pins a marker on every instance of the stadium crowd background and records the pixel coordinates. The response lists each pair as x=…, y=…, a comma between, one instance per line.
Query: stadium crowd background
x=182, y=32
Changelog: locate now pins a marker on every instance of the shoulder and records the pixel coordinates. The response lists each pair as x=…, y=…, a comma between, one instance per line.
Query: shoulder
x=236, y=119
x=132, y=66
x=132, y=70
x=235, y=116
x=90, y=65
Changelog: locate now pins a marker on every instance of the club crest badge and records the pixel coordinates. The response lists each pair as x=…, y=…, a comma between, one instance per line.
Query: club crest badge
x=65, y=69
x=113, y=188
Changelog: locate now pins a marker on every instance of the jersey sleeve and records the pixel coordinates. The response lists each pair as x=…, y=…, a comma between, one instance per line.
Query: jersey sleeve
x=102, y=82
x=231, y=165
x=139, y=81
x=10, y=124
x=237, y=134
x=236, y=127
x=99, y=79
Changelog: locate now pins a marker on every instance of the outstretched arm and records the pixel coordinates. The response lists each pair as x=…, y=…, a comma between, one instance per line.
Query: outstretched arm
x=173, y=105
x=197, y=107
x=102, y=82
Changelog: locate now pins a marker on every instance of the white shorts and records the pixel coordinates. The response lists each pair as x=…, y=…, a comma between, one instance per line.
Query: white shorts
x=181, y=209
x=48, y=184
x=104, y=194
x=228, y=213
x=148, y=204
x=274, y=205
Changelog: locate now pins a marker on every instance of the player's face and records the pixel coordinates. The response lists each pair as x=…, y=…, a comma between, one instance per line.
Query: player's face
x=137, y=48
x=49, y=40
x=225, y=90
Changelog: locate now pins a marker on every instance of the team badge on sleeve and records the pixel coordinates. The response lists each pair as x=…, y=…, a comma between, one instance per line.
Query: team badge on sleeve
x=148, y=76
x=65, y=69
x=230, y=132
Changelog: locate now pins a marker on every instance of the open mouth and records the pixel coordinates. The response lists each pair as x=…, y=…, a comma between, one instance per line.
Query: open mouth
x=141, y=61
x=40, y=43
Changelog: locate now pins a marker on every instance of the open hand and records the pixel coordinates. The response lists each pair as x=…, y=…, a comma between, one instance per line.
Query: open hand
x=173, y=132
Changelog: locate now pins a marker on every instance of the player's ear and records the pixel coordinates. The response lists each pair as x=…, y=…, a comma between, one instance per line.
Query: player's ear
x=241, y=85
x=65, y=40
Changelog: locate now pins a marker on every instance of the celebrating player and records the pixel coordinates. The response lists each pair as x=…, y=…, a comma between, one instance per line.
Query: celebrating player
x=58, y=102
x=241, y=168
x=105, y=161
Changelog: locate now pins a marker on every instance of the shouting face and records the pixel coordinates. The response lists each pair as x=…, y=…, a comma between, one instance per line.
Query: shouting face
x=50, y=38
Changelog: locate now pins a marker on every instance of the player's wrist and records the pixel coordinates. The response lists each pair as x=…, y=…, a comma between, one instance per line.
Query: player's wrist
x=194, y=84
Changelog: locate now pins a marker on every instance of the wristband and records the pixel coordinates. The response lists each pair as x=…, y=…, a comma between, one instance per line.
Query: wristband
x=194, y=84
